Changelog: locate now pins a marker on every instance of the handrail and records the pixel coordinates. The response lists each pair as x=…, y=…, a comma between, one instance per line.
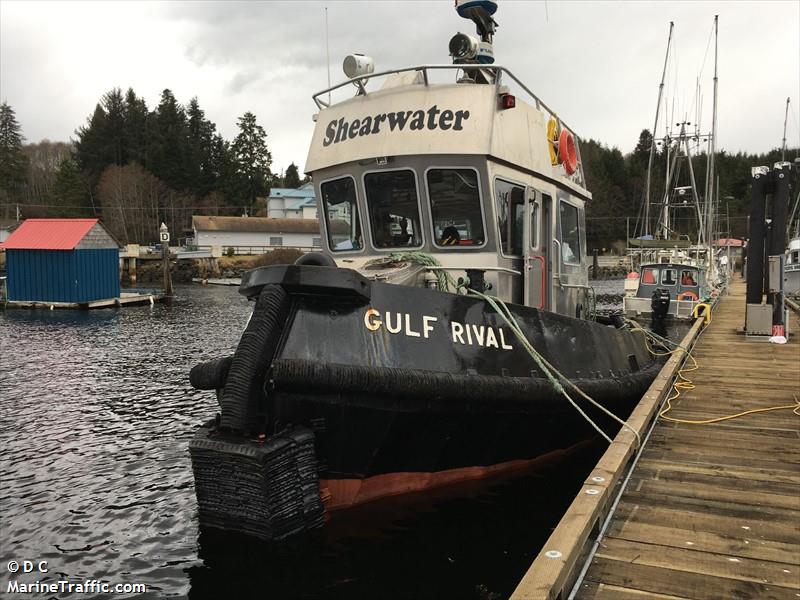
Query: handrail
x=498, y=69
x=497, y=269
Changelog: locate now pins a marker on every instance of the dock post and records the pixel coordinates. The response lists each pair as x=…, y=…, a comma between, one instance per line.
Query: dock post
x=755, y=246
x=164, y=237
x=780, y=212
x=132, y=270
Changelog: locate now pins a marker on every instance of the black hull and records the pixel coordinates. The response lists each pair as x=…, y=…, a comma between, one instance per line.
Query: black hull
x=398, y=383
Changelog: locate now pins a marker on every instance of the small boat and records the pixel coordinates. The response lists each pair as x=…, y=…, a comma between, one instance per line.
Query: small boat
x=662, y=290
x=445, y=333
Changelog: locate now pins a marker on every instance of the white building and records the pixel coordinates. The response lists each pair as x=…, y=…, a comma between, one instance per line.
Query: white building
x=255, y=235
x=286, y=203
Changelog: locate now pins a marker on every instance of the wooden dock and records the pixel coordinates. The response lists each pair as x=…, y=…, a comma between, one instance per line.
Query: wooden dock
x=708, y=510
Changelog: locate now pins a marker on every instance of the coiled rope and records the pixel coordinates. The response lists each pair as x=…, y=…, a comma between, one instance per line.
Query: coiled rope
x=684, y=384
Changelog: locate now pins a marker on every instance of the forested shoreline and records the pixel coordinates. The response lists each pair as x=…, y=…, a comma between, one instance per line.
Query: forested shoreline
x=134, y=167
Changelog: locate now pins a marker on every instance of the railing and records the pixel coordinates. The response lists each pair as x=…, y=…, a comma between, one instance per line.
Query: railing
x=497, y=70
x=253, y=250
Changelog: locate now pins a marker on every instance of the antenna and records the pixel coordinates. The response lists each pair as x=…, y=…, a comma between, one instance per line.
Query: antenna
x=328, y=54
x=785, y=116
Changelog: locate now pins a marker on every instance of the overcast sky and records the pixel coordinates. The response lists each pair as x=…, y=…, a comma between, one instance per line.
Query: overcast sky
x=597, y=64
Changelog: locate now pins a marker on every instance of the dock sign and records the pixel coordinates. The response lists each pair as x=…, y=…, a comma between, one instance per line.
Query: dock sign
x=163, y=233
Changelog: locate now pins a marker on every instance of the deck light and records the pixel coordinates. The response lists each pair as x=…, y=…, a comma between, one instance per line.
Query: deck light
x=463, y=47
x=357, y=65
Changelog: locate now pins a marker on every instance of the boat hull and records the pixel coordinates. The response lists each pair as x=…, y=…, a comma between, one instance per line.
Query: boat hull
x=409, y=388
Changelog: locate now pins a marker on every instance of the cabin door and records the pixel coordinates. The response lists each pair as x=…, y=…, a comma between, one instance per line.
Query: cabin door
x=536, y=250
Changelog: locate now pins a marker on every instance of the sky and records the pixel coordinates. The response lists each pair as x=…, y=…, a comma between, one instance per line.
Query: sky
x=597, y=64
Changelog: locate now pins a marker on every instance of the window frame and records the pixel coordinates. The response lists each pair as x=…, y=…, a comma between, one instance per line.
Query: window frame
x=276, y=237
x=430, y=209
x=324, y=231
x=525, y=189
x=664, y=272
x=373, y=247
x=580, y=258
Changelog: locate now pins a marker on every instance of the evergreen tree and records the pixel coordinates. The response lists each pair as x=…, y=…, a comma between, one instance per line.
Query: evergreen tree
x=13, y=163
x=169, y=151
x=91, y=149
x=292, y=178
x=72, y=193
x=252, y=158
x=135, y=128
x=202, y=141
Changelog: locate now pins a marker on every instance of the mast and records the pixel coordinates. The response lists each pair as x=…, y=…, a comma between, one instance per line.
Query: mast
x=709, y=203
x=653, y=143
x=783, y=146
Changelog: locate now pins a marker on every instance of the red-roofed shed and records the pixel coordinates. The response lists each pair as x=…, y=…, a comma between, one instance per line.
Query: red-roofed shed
x=62, y=260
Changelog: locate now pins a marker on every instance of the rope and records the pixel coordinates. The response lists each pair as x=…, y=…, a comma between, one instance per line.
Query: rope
x=443, y=278
x=683, y=383
x=552, y=374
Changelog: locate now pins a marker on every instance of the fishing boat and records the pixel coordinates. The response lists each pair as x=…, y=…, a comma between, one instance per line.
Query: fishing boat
x=675, y=266
x=446, y=331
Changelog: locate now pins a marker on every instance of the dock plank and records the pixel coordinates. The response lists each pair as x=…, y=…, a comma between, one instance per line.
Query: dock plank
x=709, y=510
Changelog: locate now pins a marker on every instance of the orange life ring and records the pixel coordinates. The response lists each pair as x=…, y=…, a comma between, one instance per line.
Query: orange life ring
x=567, y=153
x=688, y=296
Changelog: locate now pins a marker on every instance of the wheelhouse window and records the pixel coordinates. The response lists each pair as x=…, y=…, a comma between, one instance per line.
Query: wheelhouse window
x=668, y=276
x=393, y=209
x=455, y=207
x=510, y=199
x=688, y=278
x=570, y=234
x=650, y=276
x=341, y=214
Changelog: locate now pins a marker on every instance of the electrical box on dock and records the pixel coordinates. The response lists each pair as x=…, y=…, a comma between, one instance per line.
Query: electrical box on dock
x=758, y=319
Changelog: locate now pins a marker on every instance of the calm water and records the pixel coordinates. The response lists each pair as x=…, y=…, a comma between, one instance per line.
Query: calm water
x=96, y=413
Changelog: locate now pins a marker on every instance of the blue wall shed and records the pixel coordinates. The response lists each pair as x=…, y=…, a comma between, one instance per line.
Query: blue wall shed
x=62, y=260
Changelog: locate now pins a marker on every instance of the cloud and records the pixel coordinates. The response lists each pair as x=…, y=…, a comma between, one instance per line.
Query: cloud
x=598, y=64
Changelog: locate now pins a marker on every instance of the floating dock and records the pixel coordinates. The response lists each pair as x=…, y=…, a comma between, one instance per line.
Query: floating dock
x=705, y=510
x=124, y=299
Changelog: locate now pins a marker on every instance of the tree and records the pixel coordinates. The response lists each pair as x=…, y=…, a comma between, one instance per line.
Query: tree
x=203, y=149
x=72, y=193
x=43, y=161
x=169, y=150
x=135, y=128
x=291, y=178
x=13, y=163
x=252, y=159
x=131, y=198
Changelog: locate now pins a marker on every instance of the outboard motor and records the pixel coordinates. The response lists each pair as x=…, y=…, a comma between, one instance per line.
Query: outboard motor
x=659, y=303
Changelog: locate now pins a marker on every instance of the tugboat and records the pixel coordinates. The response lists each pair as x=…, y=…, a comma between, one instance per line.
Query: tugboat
x=445, y=333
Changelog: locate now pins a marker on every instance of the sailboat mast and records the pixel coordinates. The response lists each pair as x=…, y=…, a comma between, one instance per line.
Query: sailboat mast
x=653, y=142
x=713, y=147
x=783, y=146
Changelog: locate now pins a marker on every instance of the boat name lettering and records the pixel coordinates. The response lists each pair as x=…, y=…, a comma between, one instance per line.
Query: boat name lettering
x=467, y=334
x=417, y=120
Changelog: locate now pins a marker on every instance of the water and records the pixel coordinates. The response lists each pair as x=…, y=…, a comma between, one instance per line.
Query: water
x=96, y=413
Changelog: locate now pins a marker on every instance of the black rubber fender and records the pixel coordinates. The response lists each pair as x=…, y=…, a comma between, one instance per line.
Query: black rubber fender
x=243, y=392
x=317, y=259
x=210, y=375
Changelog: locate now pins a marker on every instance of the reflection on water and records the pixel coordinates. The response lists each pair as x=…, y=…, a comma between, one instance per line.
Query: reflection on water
x=95, y=417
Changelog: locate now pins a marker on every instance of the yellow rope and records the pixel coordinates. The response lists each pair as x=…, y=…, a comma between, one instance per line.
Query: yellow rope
x=683, y=383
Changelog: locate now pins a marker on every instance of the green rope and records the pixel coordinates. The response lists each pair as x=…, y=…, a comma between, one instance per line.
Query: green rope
x=552, y=374
x=443, y=278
